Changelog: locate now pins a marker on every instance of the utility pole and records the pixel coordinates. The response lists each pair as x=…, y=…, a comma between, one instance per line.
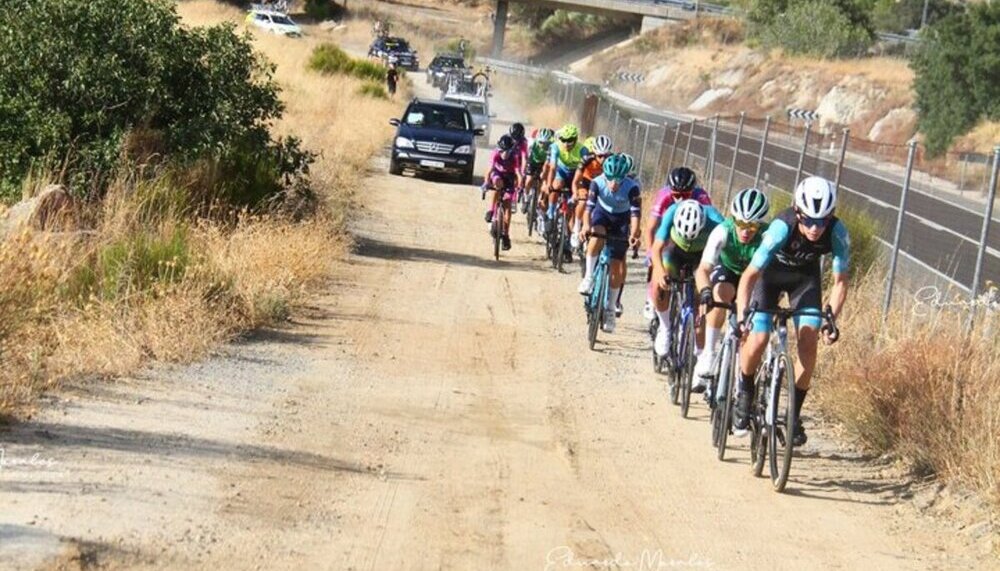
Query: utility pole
x=923, y=17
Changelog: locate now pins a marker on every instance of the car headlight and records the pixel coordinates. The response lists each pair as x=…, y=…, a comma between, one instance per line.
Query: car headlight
x=464, y=150
x=403, y=143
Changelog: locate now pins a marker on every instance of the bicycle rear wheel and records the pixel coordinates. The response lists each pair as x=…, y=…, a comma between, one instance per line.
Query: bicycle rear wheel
x=686, y=370
x=532, y=215
x=727, y=384
x=497, y=229
x=557, y=255
x=782, y=401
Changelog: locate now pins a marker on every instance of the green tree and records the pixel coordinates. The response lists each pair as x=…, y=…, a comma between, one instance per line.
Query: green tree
x=901, y=15
x=817, y=28
x=957, y=72
x=77, y=76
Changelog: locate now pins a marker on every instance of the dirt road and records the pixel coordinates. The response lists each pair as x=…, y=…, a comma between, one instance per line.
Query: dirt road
x=437, y=410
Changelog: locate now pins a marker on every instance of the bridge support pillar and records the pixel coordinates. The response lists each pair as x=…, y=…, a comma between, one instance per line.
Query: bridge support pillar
x=651, y=23
x=499, y=26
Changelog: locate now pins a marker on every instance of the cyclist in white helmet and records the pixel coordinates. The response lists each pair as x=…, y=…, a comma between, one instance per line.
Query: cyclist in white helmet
x=678, y=243
x=727, y=254
x=595, y=151
x=788, y=261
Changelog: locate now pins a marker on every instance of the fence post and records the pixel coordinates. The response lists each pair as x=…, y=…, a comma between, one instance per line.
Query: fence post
x=635, y=140
x=663, y=148
x=843, y=155
x=673, y=147
x=642, y=156
x=983, y=237
x=961, y=179
x=687, y=150
x=617, y=116
x=763, y=147
x=710, y=154
x=802, y=155
x=736, y=153
x=899, y=230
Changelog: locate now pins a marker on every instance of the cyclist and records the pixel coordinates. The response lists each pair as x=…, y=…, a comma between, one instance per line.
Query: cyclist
x=537, y=165
x=679, y=243
x=682, y=184
x=614, y=204
x=788, y=260
x=727, y=253
x=504, y=174
x=564, y=158
x=595, y=151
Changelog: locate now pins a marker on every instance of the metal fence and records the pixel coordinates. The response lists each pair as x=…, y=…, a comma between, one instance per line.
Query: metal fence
x=934, y=227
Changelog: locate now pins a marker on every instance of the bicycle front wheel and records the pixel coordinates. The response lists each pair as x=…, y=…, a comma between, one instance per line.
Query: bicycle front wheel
x=783, y=420
x=727, y=393
x=497, y=230
x=595, y=308
x=686, y=368
x=717, y=398
x=557, y=255
x=758, y=426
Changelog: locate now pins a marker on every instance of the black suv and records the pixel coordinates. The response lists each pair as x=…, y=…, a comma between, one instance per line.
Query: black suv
x=435, y=136
x=438, y=70
x=395, y=50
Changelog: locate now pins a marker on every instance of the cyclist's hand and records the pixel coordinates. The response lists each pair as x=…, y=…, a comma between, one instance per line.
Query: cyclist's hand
x=633, y=242
x=830, y=334
x=705, y=296
x=584, y=233
x=660, y=278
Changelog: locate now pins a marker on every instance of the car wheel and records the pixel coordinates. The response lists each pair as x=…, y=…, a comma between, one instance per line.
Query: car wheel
x=395, y=168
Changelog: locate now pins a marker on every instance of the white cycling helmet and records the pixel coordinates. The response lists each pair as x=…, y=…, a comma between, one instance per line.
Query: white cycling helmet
x=689, y=219
x=816, y=197
x=602, y=145
x=750, y=205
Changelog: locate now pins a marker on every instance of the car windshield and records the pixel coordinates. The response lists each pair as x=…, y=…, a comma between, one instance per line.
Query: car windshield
x=397, y=45
x=437, y=117
x=477, y=108
x=283, y=20
x=450, y=62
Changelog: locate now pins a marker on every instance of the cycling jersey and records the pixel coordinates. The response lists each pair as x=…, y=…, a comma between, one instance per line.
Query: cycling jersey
x=537, y=153
x=566, y=159
x=592, y=168
x=502, y=172
x=784, y=243
x=724, y=247
x=665, y=199
x=666, y=229
x=521, y=150
x=627, y=199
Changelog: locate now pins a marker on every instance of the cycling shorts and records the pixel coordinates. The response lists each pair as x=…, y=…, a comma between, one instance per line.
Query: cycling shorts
x=805, y=293
x=505, y=182
x=675, y=258
x=615, y=226
x=534, y=169
x=564, y=174
x=723, y=275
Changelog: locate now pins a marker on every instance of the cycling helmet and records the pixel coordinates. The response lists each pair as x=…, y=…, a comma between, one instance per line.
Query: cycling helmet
x=630, y=161
x=546, y=135
x=505, y=143
x=569, y=132
x=689, y=219
x=682, y=179
x=616, y=167
x=750, y=205
x=517, y=131
x=815, y=197
x=601, y=145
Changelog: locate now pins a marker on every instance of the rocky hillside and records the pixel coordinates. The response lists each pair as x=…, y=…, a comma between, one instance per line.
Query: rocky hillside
x=705, y=68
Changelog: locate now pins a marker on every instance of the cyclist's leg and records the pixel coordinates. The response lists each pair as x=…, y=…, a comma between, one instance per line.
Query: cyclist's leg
x=507, y=184
x=493, y=182
x=806, y=297
x=580, y=194
x=723, y=287
x=618, y=228
x=672, y=262
x=765, y=295
x=598, y=232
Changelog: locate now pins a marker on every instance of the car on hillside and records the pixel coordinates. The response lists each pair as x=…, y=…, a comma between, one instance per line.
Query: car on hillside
x=395, y=50
x=479, y=108
x=435, y=137
x=274, y=22
x=441, y=65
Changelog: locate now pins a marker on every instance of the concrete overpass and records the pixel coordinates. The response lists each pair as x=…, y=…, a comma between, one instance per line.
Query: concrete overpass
x=649, y=10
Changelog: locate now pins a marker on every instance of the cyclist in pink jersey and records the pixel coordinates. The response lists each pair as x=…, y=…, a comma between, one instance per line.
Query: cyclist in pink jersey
x=502, y=178
x=682, y=184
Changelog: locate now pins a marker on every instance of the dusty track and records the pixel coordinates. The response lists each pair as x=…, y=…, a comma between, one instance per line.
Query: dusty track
x=438, y=410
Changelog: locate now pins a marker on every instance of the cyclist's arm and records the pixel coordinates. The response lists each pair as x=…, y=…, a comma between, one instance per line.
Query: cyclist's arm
x=635, y=210
x=774, y=238
x=713, y=215
x=592, y=193
x=666, y=222
x=841, y=257
x=578, y=176
x=710, y=257
x=552, y=165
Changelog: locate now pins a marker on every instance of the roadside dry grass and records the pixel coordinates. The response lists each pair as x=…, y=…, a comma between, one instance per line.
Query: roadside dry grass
x=153, y=280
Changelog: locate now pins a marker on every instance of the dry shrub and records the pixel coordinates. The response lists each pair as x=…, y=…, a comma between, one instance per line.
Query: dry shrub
x=920, y=389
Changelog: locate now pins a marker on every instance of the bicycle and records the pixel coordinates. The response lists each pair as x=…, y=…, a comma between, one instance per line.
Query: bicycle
x=772, y=410
x=558, y=233
x=596, y=303
x=680, y=355
x=497, y=228
x=720, y=394
x=530, y=207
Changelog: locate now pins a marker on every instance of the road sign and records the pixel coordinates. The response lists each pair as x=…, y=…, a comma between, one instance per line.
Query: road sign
x=803, y=114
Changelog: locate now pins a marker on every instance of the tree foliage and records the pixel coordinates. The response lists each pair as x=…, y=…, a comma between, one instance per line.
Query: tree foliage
x=822, y=28
x=77, y=76
x=901, y=15
x=958, y=74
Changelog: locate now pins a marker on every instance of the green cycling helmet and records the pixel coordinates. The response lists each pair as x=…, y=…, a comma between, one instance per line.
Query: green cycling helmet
x=569, y=132
x=546, y=135
x=616, y=167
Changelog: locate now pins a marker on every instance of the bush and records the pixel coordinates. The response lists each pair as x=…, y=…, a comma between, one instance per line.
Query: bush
x=78, y=76
x=901, y=15
x=956, y=72
x=330, y=59
x=454, y=46
x=817, y=28
x=372, y=89
x=324, y=10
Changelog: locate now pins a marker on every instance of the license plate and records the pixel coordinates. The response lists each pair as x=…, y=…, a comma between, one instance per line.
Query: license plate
x=432, y=164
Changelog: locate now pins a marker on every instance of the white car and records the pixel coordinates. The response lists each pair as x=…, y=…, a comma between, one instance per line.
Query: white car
x=274, y=22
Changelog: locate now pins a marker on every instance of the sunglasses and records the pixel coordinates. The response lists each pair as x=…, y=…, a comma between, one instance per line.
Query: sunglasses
x=747, y=225
x=813, y=222
x=568, y=141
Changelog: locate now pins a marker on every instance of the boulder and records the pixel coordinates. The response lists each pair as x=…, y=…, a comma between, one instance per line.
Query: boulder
x=709, y=97
x=897, y=126
x=849, y=101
